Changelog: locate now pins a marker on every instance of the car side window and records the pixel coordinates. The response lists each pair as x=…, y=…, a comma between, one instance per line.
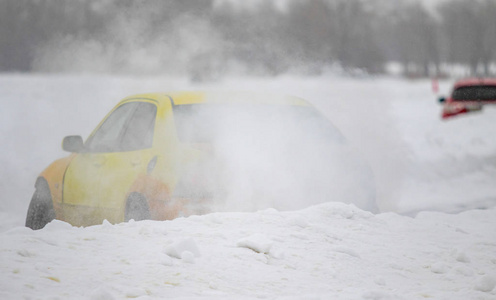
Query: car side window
x=138, y=133
x=130, y=127
x=107, y=137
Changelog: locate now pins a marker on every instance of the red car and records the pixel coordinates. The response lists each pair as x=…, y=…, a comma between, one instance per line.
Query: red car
x=469, y=95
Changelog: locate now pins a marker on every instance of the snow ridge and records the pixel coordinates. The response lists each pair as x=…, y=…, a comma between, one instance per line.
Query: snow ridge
x=340, y=252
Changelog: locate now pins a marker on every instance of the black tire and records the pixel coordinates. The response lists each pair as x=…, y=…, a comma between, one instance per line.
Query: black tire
x=40, y=210
x=136, y=208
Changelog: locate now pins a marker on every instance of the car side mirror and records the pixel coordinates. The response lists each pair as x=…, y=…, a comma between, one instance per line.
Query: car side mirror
x=442, y=99
x=73, y=143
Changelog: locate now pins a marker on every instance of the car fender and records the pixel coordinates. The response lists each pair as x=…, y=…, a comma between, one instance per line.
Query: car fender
x=54, y=177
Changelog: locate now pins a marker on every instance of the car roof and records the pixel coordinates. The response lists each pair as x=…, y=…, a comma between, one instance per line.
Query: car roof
x=474, y=81
x=185, y=98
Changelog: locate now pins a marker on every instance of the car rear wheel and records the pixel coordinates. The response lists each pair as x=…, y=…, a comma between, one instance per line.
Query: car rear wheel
x=137, y=208
x=40, y=211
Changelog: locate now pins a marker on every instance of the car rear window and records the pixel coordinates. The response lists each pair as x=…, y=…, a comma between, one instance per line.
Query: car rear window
x=475, y=93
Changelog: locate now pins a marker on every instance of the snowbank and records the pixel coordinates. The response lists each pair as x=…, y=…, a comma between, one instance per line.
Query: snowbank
x=341, y=252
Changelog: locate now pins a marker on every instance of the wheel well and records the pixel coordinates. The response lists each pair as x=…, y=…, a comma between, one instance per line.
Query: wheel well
x=140, y=200
x=136, y=196
x=41, y=183
x=40, y=210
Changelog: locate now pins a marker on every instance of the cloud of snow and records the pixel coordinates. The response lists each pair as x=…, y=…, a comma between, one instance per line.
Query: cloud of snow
x=253, y=156
x=128, y=46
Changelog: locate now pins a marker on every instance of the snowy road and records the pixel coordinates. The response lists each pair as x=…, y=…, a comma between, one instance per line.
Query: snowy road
x=328, y=251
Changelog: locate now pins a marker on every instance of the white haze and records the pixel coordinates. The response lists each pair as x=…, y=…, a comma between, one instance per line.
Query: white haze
x=418, y=161
x=261, y=156
x=126, y=47
x=328, y=251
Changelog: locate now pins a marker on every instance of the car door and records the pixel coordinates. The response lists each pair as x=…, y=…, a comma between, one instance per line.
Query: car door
x=97, y=180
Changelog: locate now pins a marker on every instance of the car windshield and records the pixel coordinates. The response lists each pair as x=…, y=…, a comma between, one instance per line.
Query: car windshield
x=207, y=123
x=475, y=93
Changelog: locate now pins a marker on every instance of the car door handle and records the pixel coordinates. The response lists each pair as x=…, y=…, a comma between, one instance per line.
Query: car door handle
x=136, y=161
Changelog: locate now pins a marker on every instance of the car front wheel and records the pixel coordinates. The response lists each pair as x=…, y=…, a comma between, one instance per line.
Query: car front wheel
x=40, y=211
x=136, y=208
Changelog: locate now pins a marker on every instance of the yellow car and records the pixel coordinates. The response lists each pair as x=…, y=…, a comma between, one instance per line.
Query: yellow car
x=160, y=156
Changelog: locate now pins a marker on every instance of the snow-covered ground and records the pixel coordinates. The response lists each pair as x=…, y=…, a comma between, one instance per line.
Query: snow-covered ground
x=330, y=251
x=429, y=242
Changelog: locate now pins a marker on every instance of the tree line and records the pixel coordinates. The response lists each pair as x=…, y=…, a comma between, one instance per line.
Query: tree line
x=210, y=38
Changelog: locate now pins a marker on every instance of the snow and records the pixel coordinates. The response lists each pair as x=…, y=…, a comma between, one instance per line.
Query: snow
x=256, y=242
x=435, y=237
x=343, y=253
x=185, y=248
